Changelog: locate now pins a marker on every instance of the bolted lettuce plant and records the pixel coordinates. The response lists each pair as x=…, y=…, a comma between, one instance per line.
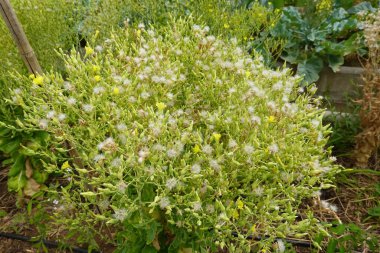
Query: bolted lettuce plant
x=180, y=141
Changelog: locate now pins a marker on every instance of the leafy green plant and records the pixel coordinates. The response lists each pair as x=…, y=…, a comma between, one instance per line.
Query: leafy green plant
x=345, y=126
x=48, y=25
x=349, y=237
x=250, y=25
x=375, y=211
x=183, y=139
x=320, y=38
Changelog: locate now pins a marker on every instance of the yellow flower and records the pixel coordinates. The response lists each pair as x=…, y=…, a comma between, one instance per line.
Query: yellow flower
x=216, y=136
x=272, y=119
x=39, y=80
x=235, y=214
x=226, y=26
x=116, y=91
x=138, y=33
x=65, y=165
x=239, y=204
x=89, y=50
x=247, y=73
x=32, y=76
x=161, y=106
x=95, y=68
x=196, y=149
x=97, y=78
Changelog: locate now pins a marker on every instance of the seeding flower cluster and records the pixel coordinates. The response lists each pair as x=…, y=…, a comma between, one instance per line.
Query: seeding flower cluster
x=181, y=134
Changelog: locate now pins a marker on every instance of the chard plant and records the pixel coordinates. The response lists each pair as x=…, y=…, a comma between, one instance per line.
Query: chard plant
x=179, y=142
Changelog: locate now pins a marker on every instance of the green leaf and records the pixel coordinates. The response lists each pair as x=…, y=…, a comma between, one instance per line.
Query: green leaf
x=332, y=245
x=148, y=193
x=39, y=176
x=335, y=61
x=3, y=213
x=4, y=131
x=151, y=233
x=291, y=57
x=354, y=228
x=278, y=3
x=377, y=188
x=8, y=161
x=351, y=44
x=17, y=167
x=339, y=229
x=310, y=69
x=41, y=137
x=11, y=146
x=149, y=249
x=27, y=151
x=364, y=6
x=17, y=183
x=375, y=211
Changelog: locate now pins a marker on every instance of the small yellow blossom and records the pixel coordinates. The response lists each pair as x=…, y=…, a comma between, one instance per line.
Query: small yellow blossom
x=239, y=204
x=216, y=136
x=39, y=80
x=272, y=119
x=97, y=78
x=161, y=106
x=89, y=50
x=235, y=214
x=32, y=76
x=116, y=91
x=226, y=26
x=65, y=165
x=138, y=33
x=95, y=68
x=247, y=73
x=196, y=149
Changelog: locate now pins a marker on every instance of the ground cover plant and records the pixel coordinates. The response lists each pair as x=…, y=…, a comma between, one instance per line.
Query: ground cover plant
x=248, y=23
x=154, y=133
x=161, y=156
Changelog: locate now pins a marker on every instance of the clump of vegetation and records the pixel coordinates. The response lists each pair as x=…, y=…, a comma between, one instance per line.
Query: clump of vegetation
x=321, y=34
x=49, y=25
x=367, y=142
x=249, y=24
x=178, y=140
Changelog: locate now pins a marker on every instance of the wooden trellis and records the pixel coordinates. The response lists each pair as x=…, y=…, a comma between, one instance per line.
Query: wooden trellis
x=18, y=34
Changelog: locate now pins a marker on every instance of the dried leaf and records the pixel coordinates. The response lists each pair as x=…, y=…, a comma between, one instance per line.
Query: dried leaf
x=156, y=244
x=31, y=187
x=28, y=168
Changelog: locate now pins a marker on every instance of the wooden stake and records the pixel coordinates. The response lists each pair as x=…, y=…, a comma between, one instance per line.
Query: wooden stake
x=19, y=37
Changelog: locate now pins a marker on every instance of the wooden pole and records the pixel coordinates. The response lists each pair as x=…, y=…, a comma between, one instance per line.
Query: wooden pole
x=19, y=37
